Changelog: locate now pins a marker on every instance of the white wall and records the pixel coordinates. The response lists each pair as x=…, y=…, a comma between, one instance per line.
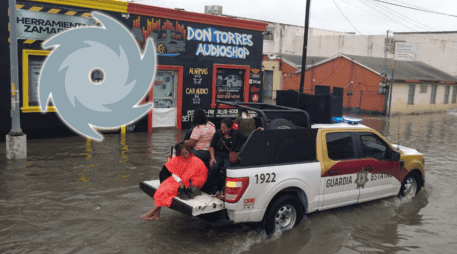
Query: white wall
x=439, y=51
x=287, y=36
x=331, y=45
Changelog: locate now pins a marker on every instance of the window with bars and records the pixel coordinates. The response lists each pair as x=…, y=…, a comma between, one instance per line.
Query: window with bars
x=447, y=89
x=424, y=89
x=412, y=90
x=433, y=95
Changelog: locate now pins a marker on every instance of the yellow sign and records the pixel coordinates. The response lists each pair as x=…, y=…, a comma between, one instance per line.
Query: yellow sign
x=197, y=90
x=199, y=71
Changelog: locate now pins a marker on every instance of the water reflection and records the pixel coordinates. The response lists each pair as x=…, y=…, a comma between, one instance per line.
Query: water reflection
x=124, y=149
x=122, y=178
x=84, y=179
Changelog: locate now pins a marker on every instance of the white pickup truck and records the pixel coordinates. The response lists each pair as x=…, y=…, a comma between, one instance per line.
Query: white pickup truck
x=295, y=169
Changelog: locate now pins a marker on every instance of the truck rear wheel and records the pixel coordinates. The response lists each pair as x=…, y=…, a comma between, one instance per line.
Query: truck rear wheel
x=283, y=214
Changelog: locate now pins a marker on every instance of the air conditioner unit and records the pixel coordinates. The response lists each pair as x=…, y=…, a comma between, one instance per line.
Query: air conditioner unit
x=213, y=9
x=389, y=42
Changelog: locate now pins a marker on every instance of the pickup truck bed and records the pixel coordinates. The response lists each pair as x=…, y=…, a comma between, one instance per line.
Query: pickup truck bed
x=202, y=204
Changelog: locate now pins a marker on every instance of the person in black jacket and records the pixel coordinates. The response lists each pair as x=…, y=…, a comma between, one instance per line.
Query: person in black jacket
x=224, y=140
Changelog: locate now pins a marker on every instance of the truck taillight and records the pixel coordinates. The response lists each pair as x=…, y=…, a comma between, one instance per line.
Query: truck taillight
x=235, y=188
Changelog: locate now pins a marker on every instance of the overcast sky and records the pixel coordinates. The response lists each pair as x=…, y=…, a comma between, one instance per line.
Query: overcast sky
x=369, y=17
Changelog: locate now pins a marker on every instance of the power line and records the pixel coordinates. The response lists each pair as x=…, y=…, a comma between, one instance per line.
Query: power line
x=379, y=16
x=417, y=9
x=397, y=22
x=346, y=17
x=405, y=18
x=395, y=14
x=381, y=46
x=422, y=26
x=411, y=5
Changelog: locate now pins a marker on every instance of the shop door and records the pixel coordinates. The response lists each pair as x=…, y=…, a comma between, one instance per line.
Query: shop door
x=268, y=87
x=164, y=112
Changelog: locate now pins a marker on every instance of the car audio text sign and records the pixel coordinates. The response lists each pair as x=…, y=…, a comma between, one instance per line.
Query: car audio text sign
x=41, y=25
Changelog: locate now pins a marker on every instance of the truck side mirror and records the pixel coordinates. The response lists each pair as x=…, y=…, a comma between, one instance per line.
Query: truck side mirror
x=395, y=156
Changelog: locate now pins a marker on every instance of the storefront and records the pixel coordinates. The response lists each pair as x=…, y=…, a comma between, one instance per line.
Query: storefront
x=201, y=58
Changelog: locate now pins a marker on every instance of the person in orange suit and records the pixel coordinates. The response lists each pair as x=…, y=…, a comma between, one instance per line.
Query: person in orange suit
x=186, y=171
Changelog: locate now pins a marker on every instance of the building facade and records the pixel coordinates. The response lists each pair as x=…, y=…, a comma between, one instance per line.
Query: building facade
x=423, y=97
x=417, y=87
x=272, y=77
x=200, y=58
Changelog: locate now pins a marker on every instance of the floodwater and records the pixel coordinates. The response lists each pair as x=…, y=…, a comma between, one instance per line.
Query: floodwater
x=74, y=195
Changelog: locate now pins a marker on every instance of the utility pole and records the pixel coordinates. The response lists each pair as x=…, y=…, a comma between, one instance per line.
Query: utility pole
x=385, y=72
x=305, y=48
x=392, y=81
x=385, y=52
x=16, y=140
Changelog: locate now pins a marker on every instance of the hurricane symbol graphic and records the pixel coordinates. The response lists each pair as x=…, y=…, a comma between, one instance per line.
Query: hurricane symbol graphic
x=128, y=75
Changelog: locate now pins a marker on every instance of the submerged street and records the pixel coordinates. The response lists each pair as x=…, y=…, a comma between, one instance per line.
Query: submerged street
x=74, y=195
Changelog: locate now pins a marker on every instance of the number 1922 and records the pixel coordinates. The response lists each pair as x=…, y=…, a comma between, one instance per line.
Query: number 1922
x=265, y=178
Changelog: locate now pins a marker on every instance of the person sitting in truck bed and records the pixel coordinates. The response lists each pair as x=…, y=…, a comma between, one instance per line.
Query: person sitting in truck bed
x=186, y=170
x=224, y=141
x=201, y=136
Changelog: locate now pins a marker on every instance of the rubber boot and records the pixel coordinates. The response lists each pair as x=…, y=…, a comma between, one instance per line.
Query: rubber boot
x=182, y=194
x=195, y=191
x=189, y=193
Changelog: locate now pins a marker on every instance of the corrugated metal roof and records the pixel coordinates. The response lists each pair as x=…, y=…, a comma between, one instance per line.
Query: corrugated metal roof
x=404, y=70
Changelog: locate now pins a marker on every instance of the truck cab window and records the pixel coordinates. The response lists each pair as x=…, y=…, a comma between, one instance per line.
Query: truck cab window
x=340, y=146
x=373, y=147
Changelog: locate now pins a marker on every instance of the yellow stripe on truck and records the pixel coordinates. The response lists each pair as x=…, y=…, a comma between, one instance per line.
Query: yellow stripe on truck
x=54, y=10
x=70, y=13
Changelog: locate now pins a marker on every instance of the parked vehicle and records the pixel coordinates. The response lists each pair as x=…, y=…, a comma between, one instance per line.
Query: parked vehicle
x=168, y=41
x=294, y=168
x=233, y=81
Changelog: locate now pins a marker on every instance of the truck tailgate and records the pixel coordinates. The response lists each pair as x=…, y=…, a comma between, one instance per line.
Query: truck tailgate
x=201, y=204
